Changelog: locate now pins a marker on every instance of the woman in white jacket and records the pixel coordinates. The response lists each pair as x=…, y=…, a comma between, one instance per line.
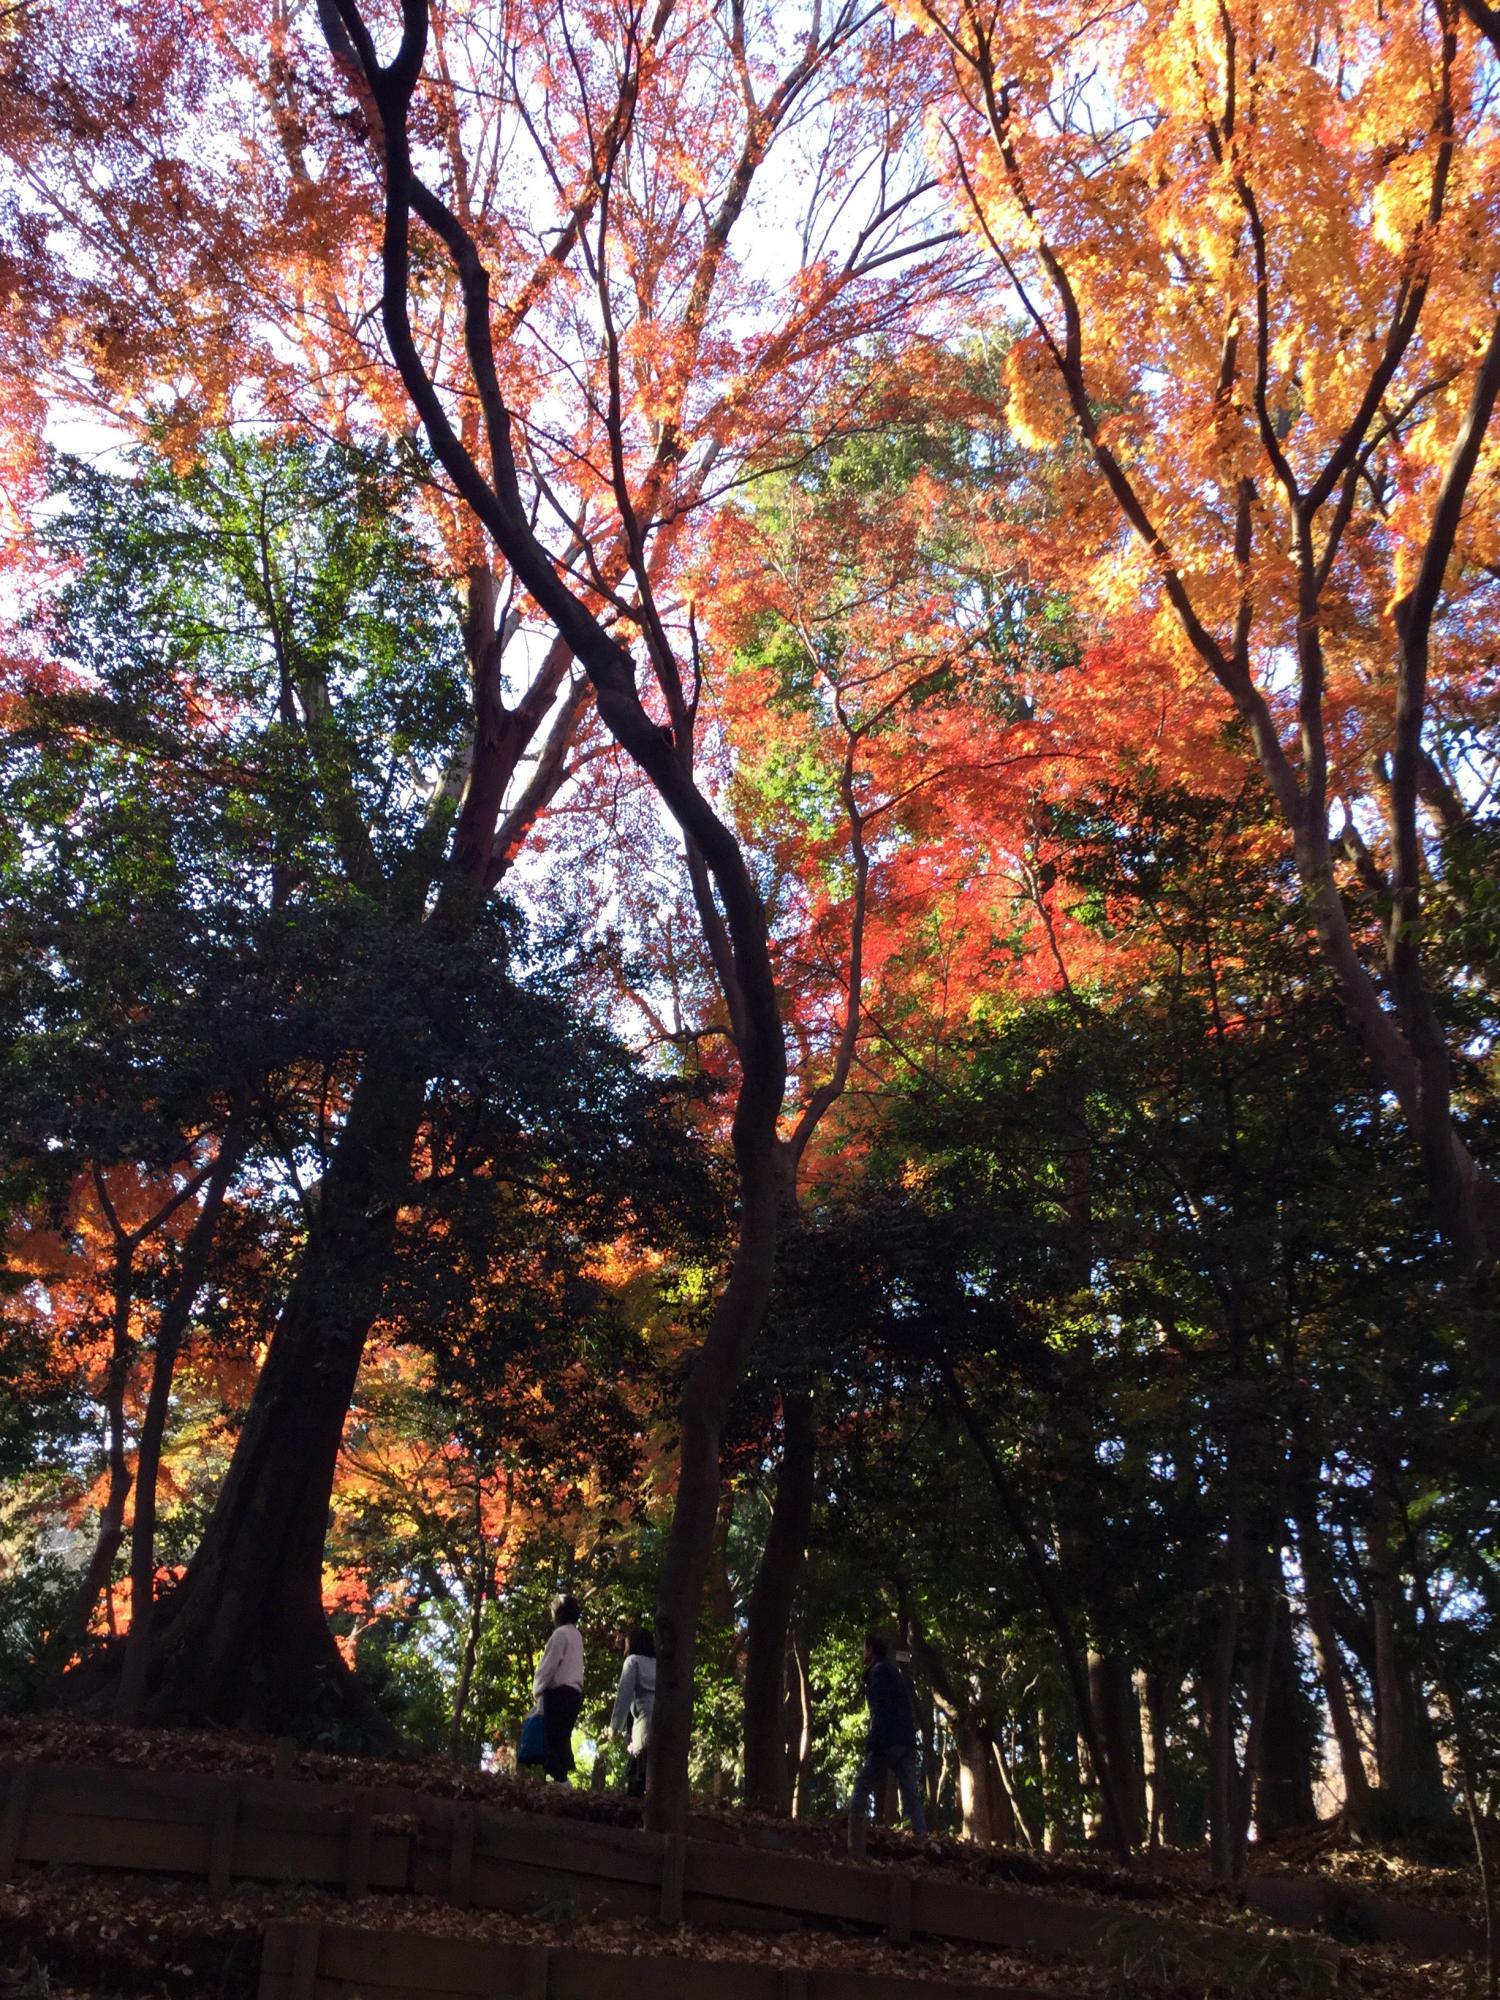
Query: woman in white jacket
x=558, y=1687
x=633, y=1705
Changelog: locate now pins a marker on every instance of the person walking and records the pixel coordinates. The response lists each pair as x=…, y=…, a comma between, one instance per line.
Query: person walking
x=890, y=1745
x=634, y=1702
x=558, y=1686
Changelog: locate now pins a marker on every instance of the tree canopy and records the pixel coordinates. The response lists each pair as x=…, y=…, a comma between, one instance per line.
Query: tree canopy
x=748, y=847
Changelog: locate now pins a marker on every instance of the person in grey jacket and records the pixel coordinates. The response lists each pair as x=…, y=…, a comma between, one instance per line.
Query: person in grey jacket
x=633, y=1705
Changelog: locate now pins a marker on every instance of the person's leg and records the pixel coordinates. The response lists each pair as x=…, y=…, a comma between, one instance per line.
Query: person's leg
x=560, y=1706
x=909, y=1784
x=868, y=1780
x=635, y=1776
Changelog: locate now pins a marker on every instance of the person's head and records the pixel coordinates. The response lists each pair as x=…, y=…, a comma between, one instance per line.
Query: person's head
x=641, y=1642
x=565, y=1610
x=875, y=1647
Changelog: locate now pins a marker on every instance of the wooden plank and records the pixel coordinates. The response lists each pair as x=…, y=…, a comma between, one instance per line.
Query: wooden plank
x=142, y=1845
x=673, y=1873
x=20, y=1785
x=221, y=1841
x=533, y=1981
x=817, y=1888
x=357, y=1853
x=616, y=1853
x=277, y=1950
x=714, y=1913
x=409, y=1959
x=834, y=1985
x=898, y=1923
x=794, y=1984
x=111, y=1792
x=461, y=1859
x=306, y=1950
x=596, y=1975
x=510, y=1885
x=297, y=1846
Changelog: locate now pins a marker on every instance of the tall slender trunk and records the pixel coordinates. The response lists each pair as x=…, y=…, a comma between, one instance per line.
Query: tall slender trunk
x=170, y=1330
x=74, y=1624
x=799, y=1719
x=1018, y=1827
x=767, y=1779
x=1116, y=1821
x=1318, y=1595
x=466, y=1669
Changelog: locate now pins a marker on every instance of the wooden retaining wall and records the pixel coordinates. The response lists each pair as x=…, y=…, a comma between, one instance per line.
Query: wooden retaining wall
x=223, y=1829
x=313, y=1960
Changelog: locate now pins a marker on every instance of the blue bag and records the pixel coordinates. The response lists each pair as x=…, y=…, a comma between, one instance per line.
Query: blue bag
x=532, y=1748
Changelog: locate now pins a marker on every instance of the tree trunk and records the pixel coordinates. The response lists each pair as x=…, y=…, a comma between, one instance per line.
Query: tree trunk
x=715, y=1371
x=1261, y=1620
x=973, y=1781
x=1411, y=1781
x=1012, y=1818
x=1318, y=1595
x=169, y=1336
x=466, y=1668
x=1112, y=1691
x=1116, y=1821
x=1283, y=1790
x=73, y=1627
x=799, y=1721
x=1161, y=1797
x=244, y=1636
x=767, y=1777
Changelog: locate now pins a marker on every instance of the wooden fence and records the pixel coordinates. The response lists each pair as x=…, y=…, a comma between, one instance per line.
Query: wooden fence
x=268, y=1830
x=313, y=1960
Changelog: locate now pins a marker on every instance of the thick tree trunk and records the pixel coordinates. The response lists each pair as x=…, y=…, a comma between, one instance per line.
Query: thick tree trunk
x=1112, y=1691
x=1283, y=1790
x=1411, y=1779
x=767, y=1777
x=1161, y=1797
x=1223, y=1769
x=1261, y=1620
x=973, y=1781
x=716, y=1369
x=1318, y=1595
x=244, y=1636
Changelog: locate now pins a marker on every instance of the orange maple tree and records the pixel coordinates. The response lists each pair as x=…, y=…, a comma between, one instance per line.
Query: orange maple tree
x=1253, y=251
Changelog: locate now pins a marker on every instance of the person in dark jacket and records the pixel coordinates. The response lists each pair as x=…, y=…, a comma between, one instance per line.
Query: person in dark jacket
x=890, y=1745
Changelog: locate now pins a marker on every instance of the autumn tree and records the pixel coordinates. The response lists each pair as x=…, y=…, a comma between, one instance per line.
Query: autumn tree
x=1252, y=251
x=597, y=257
